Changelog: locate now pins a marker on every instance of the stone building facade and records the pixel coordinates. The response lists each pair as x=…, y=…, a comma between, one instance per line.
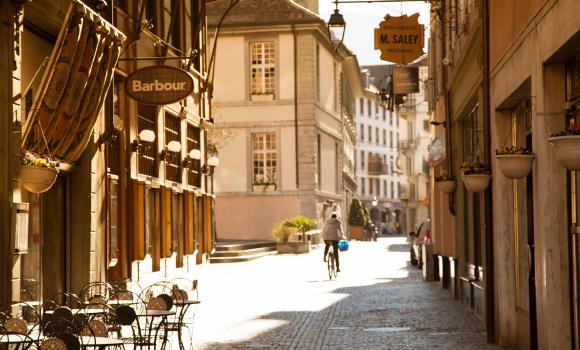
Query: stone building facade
x=280, y=117
x=121, y=209
x=505, y=74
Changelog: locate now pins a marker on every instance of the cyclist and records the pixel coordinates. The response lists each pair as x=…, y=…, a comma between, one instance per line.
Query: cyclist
x=331, y=234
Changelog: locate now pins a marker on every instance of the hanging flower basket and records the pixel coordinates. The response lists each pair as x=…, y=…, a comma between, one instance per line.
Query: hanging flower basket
x=515, y=166
x=37, y=174
x=37, y=179
x=446, y=186
x=567, y=150
x=476, y=182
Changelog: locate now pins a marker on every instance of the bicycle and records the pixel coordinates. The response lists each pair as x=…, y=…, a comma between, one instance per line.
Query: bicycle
x=331, y=263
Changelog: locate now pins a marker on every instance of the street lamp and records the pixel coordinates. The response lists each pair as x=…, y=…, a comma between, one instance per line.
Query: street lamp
x=336, y=27
x=374, y=202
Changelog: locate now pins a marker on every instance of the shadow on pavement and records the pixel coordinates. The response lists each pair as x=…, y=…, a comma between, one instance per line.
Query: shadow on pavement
x=393, y=313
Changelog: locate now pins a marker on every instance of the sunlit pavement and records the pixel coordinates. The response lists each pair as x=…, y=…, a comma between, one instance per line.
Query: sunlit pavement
x=378, y=301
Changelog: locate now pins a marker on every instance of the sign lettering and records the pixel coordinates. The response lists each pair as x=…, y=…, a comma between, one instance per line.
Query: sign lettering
x=400, y=39
x=159, y=85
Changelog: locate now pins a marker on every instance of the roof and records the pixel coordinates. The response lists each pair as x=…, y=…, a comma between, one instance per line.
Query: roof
x=379, y=74
x=259, y=12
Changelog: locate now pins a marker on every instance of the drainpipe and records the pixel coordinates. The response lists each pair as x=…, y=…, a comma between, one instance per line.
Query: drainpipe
x=296, y=106
x=489, y=263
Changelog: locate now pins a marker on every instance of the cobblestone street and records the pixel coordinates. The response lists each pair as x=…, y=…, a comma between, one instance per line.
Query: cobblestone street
x=287, y=302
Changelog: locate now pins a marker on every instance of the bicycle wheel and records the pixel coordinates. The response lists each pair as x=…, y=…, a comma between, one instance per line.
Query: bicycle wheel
x=331, y=263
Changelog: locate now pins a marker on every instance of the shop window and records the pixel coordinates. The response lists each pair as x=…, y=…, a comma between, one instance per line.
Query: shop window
x=194, y=166
x=147, y=120
x=172, y=159
x=113, y=220
x=264, y=158
x=263, y=69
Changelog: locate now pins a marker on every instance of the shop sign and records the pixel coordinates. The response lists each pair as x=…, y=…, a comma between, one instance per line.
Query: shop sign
x=437, y=152
x=405, y=80
x=400, y=39
x=159, y=85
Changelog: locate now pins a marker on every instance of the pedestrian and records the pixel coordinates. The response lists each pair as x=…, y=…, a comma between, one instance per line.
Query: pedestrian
x=331, y=234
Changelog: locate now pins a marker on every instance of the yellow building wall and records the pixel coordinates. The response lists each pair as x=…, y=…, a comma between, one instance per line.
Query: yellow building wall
x=507, y=20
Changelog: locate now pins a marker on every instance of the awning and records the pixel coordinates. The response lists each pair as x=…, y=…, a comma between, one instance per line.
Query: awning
x=74, y=85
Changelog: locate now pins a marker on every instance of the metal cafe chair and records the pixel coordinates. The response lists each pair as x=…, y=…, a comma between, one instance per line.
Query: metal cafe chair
x=96, y=292
x=136, y=326
x=57, y=300
x=18, y=316
x=185, y=296
x=18, y=341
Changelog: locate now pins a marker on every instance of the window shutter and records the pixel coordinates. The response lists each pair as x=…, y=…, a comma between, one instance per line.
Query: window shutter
x=199, y=228
x=189, y=223
x=137, y=239
x=165, y=222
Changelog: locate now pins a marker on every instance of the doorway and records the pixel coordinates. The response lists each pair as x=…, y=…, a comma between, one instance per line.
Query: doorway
x=45, y=269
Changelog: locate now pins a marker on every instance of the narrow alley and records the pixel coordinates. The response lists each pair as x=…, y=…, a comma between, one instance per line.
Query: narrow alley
x=287, y=302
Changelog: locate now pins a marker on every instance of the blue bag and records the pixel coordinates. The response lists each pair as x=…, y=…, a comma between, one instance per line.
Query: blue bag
x=343, y=245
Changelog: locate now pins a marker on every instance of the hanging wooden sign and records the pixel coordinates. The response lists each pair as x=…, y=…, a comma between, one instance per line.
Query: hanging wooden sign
x=400, y=39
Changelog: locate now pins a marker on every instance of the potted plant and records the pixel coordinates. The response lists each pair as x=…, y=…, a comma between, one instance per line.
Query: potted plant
x=284, y=230
x=475, y=176
x=37, y=174
x=566, y=147
x=515, y=162
x=445, y=183
x=356, y=219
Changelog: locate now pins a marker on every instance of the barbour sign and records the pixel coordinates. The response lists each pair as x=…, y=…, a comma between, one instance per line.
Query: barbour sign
x=400, y=39
x=159, y=85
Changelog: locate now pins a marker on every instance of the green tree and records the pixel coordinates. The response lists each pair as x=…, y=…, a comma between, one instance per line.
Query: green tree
x=356, y=214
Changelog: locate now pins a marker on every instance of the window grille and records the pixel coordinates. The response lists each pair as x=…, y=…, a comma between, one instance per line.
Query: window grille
x=193, y=172
x=147, y=119
x=264, y=158
x=172, y=162
x=263, y=68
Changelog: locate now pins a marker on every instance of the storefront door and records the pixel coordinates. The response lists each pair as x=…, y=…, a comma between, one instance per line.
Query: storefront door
x=45, y=267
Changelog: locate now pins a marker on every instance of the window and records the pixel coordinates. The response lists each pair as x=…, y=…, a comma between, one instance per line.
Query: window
x=263, y=68
x=147, y=119
x=172, y=160
x=369, y=111
x=391, y=139
x=371, y=187
x=362, y=132
x=376, y=110
x=426, y=125
x=361, y=106
x=385, y=189
x=113, y=220
x=193, y=171
x=318, y=73
x=384, y=137
x=264, y=158
x=370, y=134
x=384, y=114
x=362, y=186
x=362, y=159
x=377, y=135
